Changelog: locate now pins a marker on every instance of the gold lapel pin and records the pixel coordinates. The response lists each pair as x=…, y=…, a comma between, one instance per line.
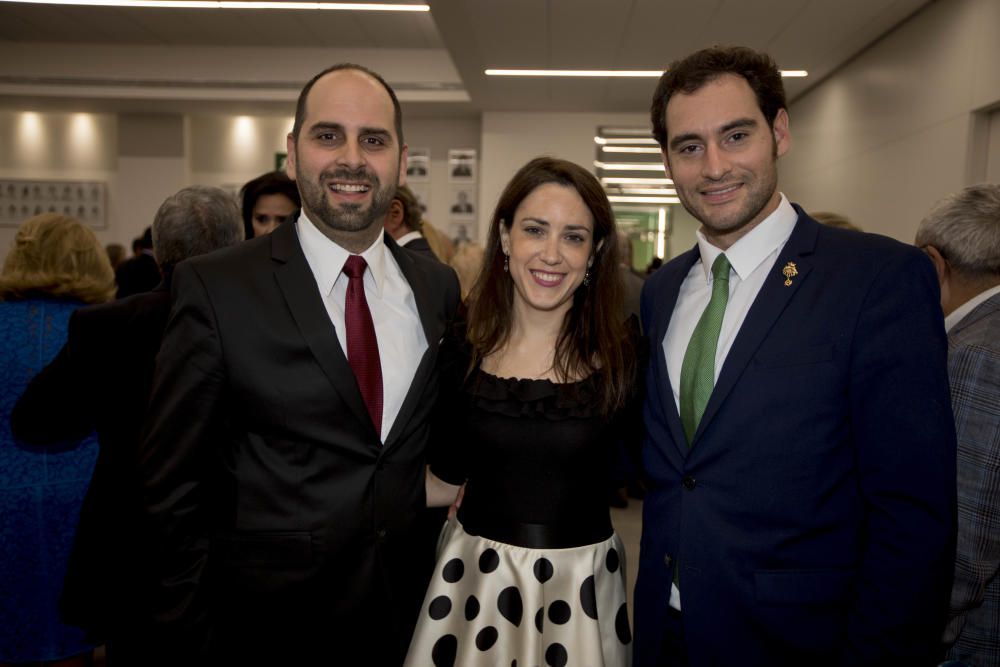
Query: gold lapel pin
x=789, y=272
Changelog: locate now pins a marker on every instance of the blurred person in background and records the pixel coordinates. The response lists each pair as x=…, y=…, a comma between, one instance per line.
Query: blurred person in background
x=831, y=219
x=468, y=264
x=140, y=273
x=961, y=235
x=102, y=378
x=268, y=201
x=55, y=266
x=404, y=222
x=440, y=244
x=116, y=254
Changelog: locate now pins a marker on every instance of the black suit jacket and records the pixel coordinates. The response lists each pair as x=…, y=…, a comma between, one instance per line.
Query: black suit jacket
x=420, y=245
x=101, y=379
x=285, y=527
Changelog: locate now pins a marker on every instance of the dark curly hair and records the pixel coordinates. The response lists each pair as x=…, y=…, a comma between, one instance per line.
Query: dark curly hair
x=691, y=73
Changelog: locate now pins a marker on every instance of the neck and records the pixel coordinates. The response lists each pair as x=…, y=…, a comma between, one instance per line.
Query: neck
x=353, y=241
x=960, y=292
x=725, y=240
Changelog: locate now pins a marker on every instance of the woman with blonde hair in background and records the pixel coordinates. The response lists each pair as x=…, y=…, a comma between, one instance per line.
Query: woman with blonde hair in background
x=55, y=266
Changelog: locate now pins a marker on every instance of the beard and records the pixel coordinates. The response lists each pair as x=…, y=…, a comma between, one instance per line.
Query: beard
x=346, y=217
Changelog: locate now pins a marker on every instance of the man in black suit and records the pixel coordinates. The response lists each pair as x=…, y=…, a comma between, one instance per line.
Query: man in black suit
x=404, y=222
x=101, y=379
x=284, y=455
x=139, y=273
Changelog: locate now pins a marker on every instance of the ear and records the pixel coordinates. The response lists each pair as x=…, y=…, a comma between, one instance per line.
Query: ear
x=504, y=238
x=290, y=161
x=940, y=264
x=394, y=218
x=593, y=255
x=782, y=135
x=666, y=162
x=404, y=156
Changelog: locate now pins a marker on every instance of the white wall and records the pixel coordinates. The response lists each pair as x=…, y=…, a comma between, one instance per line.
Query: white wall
x=512, y=139
x=893, y=131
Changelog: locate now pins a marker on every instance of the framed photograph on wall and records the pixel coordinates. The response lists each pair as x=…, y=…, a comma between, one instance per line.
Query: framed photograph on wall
x=418, y=166
x=84, y=200
x=462, y=165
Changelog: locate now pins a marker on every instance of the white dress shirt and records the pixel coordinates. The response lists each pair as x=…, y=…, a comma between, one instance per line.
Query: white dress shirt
x=401, y=339
x=959, y=313
x=751, y=259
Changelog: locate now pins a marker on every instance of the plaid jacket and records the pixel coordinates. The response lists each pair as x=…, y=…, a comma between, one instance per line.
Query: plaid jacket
x=974, y=372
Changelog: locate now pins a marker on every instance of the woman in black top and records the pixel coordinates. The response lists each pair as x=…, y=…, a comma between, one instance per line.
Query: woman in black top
x=538, y=394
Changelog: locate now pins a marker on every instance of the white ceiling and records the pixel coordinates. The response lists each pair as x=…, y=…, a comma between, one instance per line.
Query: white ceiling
x=165, y=59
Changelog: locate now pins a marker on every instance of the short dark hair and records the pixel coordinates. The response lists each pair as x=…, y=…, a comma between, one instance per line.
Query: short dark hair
x=271, y=183
x=413, y=217
x=194, y=221
x=691, y=73
x=300, y=106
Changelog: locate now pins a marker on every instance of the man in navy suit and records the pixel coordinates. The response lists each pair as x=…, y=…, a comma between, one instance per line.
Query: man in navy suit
x=800, y=450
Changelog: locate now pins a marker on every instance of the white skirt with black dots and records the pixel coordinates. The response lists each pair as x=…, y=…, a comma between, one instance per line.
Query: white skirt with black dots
x=492, y=603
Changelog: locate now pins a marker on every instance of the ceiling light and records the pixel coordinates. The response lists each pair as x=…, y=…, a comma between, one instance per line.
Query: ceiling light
x=629, y=73
x=603, y=141
x=231, y=4
x=630, y=149
x=606, y=180
x=647, y=191
x=618, y=199
x=574, y=72
x=629, y=166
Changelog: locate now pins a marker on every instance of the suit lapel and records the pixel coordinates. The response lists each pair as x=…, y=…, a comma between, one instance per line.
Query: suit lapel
x=298, y=285
x=661, y=321
x=772, y=299
x=433, y=326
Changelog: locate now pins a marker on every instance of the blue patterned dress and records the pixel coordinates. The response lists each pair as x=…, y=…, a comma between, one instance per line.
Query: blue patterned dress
x=41, y=490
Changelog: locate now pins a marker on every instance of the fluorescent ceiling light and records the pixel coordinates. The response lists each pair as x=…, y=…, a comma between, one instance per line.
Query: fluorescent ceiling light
x=605, y=73
x=574, y=72
x=231, y=4
x=648, y=191
x=630, y=149
x=603, y=141
x=607, y=180
x=628, y=166
x=618, y=199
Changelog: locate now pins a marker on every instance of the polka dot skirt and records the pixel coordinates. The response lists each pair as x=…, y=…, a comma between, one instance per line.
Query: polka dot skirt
x=491, y=603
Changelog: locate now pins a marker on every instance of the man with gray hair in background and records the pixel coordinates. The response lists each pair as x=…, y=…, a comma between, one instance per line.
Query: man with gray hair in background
x=101, y=380
x=962, y=237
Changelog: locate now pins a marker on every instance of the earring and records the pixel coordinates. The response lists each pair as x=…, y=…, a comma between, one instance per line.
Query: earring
x=506, y=264
x=586, y=278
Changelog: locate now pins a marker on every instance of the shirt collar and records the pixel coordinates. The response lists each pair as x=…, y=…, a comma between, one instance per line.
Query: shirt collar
x=327, y=258
x=407, y=237
x=959, y=313
x=757, y=245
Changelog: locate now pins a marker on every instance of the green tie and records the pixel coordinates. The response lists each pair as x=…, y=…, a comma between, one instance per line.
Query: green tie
x=698, y=369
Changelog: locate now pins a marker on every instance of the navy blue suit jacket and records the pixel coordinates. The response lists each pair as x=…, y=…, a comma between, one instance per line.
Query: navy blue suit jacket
x=813, y=515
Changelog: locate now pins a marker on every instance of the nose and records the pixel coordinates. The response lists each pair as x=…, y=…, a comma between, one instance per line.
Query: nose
x=716, y=164
x=351, y=155
x=550, y=250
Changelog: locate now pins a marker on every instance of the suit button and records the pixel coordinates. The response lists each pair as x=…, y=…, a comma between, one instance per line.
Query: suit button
x=668, y=560
x=689, y=482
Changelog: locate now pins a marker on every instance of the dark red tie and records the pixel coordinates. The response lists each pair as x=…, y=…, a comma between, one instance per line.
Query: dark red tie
x=362, y=346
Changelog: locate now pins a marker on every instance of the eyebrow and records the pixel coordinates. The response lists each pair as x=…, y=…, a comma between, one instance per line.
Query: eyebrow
x=540, y=221
x=728, y=127
x=323, y=126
